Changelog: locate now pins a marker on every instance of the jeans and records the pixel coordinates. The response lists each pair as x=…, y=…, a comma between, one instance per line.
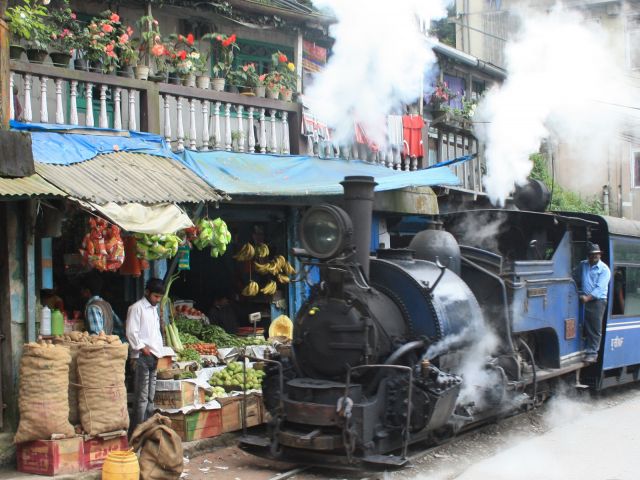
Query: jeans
x=144, y=389
x=593, y=313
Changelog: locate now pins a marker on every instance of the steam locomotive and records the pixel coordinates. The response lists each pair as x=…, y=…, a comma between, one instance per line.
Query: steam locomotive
x=479, y=317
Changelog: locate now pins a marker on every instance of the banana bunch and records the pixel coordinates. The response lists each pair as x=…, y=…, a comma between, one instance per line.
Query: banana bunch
x=282, y=278
x=262, y=268
x=280, y=262
x=251, y=290
x=269, y=288
x=262, y=250
x=247, y=252
x=288, y=269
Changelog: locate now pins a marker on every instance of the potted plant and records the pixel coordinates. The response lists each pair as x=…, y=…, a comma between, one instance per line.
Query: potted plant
x=106, y=37
x=186, y=58
x=440, y=98
x=288, y=76
x=253, y=80
x=150, y=48
x=273, y=83
x=160, y=64
x=28, y=28
x=65, y=35
x=224, y=47
x=237, y=80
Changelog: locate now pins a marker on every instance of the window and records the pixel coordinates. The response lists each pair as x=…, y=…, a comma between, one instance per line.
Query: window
x=252, y=51
x=633, y=42
x=626, y=277
x=635, y=165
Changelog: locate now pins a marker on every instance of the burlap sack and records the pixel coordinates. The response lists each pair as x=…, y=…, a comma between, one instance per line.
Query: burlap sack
x=160, y=449
x=44, y=402
x=102, y=396
x=74, y=348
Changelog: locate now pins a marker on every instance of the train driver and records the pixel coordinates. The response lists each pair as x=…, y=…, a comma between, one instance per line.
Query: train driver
x=594, y=275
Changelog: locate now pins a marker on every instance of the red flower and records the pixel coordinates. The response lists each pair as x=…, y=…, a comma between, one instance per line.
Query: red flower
x=129, y=31
x=124, y=38
x=180, y=38
x=114, y=17
x=282, y=58
x=106, y=28
x=73, y=16
x=182, y=54
x=190, y=39
x=227, y=42
x=219, y=38
x=158, y=50
x=233, y=38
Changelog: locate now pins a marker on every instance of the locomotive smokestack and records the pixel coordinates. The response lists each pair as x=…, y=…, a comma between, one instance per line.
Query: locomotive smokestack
x=358, y=202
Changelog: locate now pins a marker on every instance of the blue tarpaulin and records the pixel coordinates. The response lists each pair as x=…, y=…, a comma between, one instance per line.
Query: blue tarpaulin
x=276, y=175
x=59, y=145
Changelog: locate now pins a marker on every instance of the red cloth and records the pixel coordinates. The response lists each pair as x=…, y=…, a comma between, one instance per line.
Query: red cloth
x=412, y=134
x=362, y=138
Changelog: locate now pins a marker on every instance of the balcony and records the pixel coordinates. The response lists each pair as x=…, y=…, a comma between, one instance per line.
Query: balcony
x=198, y=119
x=186, y=117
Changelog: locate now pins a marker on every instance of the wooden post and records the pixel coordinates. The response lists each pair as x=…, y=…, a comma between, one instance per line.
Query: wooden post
x=5, y=93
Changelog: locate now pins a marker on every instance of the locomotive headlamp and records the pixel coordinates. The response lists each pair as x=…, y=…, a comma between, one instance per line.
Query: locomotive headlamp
x=326, y=231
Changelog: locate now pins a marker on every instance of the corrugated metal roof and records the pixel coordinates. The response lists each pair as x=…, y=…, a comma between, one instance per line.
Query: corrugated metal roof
x=28, y=187
x=124, y=177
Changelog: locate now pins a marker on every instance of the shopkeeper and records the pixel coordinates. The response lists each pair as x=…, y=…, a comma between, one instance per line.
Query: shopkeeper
x=145, y=343
x=98, y=313
x=223, y=314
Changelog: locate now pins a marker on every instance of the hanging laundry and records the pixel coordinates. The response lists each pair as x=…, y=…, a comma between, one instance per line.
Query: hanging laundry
x=363, y=139
x=412, y=133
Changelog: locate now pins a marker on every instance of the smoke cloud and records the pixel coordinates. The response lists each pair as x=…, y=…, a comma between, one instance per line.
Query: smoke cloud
x=378, y=64
x=565, y=82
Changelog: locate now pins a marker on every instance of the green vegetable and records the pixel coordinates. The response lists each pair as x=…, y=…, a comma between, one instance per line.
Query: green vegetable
x=189, y=355
x=232, y=377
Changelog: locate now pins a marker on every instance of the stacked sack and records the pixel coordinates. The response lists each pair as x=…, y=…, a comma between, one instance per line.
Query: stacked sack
x=44, y=383
x=102, y=395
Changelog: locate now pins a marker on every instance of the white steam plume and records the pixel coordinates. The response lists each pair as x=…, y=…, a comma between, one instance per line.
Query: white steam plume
x=564, y=78
x=379, y=60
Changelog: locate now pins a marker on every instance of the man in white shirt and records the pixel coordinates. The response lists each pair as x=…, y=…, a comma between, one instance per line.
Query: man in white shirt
x=145, y=342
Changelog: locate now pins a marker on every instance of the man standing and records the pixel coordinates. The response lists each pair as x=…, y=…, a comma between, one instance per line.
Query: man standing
x=98, y=313
x=145, y=342
x=594, y=277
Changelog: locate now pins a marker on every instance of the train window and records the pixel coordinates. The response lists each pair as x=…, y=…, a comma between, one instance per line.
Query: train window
x=626, y=277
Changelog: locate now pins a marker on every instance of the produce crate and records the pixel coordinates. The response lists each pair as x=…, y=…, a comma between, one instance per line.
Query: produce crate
x=197, y=424
x=233, y=411
x=50, y=457
x=96, y=449
x=177, y=394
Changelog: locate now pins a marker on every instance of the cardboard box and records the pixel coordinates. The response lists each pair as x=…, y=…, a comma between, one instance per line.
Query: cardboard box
x=197, y=424
x=96, y=449
x=177, y=394
x=233, y=411
x=50, y=457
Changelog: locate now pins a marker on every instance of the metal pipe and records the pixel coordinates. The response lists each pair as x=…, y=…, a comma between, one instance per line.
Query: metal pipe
x=404, y=349
x=605, y=199
x=358, y=200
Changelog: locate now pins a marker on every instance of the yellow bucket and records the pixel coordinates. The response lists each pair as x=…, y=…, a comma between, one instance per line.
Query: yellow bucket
x=121, y=465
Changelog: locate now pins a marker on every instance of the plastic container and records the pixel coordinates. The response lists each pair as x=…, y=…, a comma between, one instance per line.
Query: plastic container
x=121, y=465
x=45, y=321
x=57, y=323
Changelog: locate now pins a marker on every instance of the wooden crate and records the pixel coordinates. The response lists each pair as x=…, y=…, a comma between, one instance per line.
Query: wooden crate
x=96, y=449
x=50, y=457
x=233, y=411
x=177, y=394
x=197, y=424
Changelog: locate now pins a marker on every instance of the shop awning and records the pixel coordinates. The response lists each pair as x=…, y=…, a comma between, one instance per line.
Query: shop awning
x=135, y=217
x=31, y=186
x=275, y=175
x=124, y=177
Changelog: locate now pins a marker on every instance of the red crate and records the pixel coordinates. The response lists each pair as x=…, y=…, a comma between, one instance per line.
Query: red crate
x=96, y=449
x=197, y=424
x=50, y=457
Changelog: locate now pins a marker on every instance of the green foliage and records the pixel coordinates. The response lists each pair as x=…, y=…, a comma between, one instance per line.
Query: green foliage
x=27, y=22
x=562, y=200
x=443, y=29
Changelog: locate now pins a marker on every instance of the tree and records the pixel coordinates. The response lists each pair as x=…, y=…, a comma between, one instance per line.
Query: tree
x=561, y=199
x=443, y=29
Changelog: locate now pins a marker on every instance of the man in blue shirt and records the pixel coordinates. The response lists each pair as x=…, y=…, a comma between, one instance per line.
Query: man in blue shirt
x=594, y=278
x=98, y=313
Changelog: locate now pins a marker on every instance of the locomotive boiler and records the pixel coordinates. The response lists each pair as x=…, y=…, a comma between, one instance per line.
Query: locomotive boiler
x=415, y=344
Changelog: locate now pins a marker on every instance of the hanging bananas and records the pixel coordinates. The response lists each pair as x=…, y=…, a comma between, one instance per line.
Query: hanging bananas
x=288, y=269
x=246, y=253
x=269, y=288
x=282, y=278
x=262, y=268
x=251, y=290
x=262, y=250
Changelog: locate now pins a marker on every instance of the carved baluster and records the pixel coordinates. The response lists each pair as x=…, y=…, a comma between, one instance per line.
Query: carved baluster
x=192, y=124
x=132, y=110
x=103, y=121
x=73, y=103
x=205, y=125
x=273, y=143
x=217, y=135
x=285, y=133
x=167, y=119
x=252, y=137
x=12, y=113
x=88, y=93
x=242, y=135
x=117, y=109
x=227, y=127
x=28, y=115
x=59, y=109
x=180, y=125
x=263, y=131
x=44, y=112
